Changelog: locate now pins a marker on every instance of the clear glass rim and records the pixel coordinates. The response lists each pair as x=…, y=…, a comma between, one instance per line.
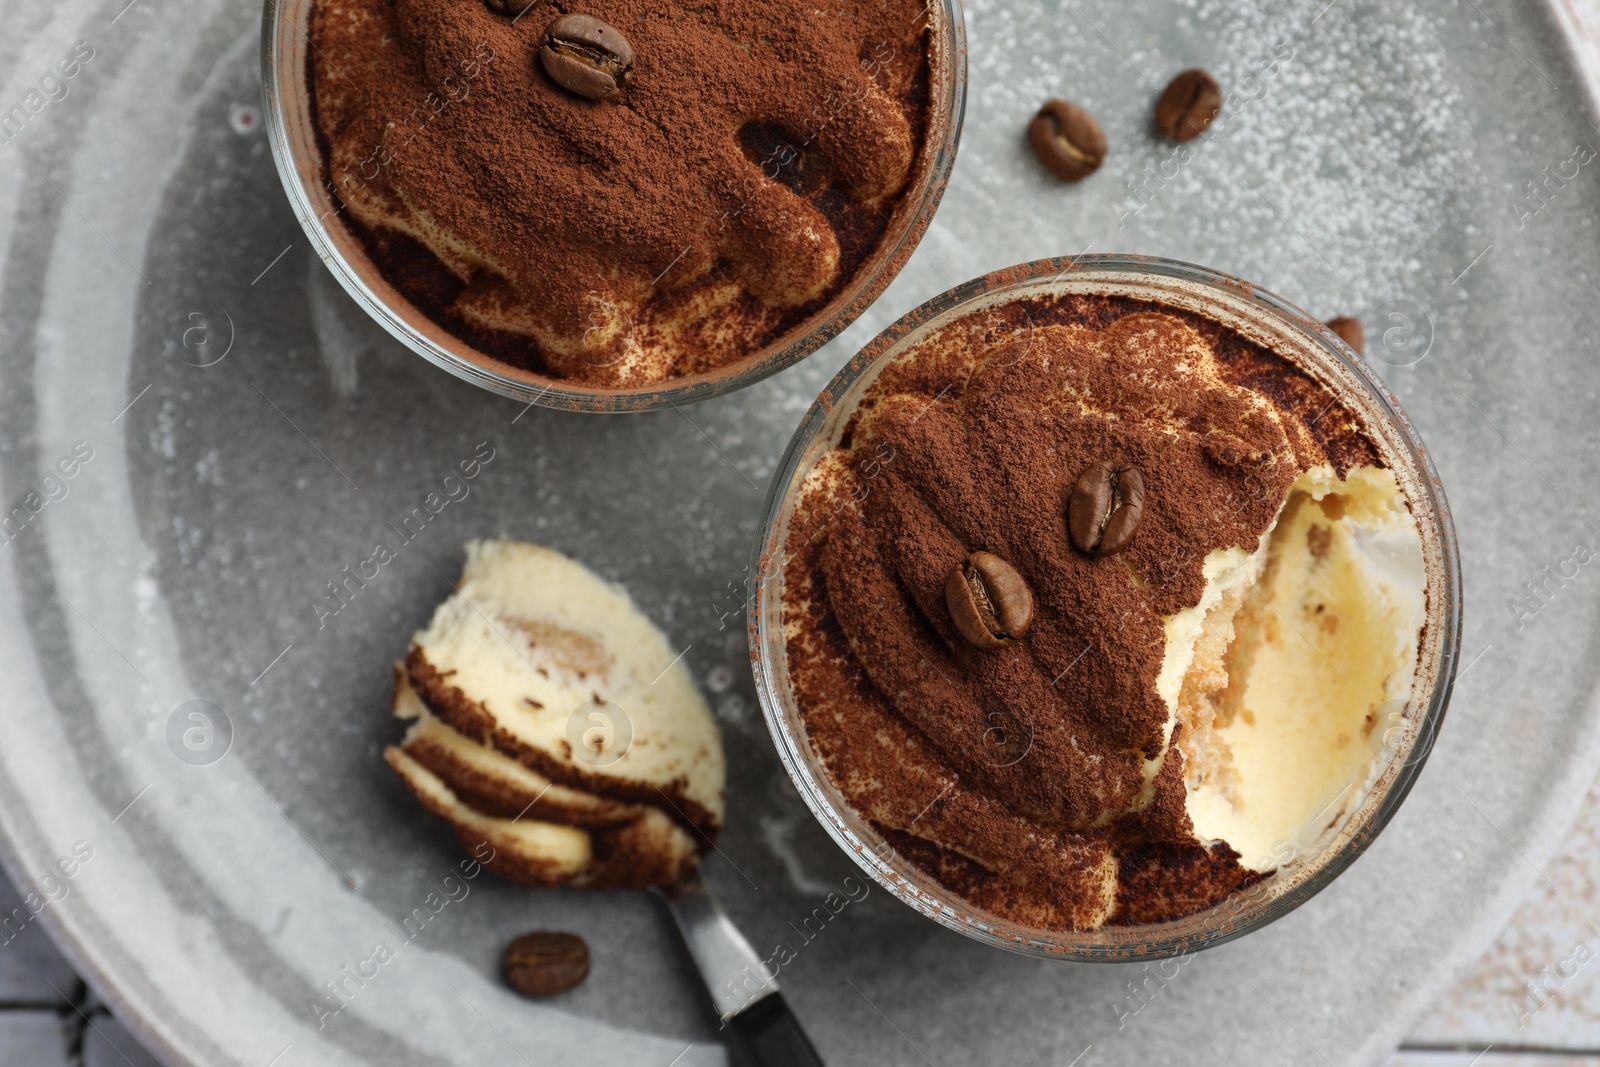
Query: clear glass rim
x=1438, y=654
x=292, y=137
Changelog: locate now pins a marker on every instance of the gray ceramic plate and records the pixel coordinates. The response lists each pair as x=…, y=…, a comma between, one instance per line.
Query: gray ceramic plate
x=1381, y=169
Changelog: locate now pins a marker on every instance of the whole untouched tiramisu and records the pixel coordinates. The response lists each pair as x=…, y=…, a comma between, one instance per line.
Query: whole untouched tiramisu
x=1099, y=612
x=554, y=728
x=623, y=193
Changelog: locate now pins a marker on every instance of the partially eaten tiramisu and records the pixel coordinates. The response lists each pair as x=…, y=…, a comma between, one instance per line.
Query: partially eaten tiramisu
x=1098, y=611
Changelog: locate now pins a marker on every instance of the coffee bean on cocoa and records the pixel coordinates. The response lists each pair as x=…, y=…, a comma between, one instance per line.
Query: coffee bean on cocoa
x=989, y=601
x=586, y=56
x=1351, y=333
x=1105, y=507
x=545, y=962
x=1188, y=105
x=1067, y=140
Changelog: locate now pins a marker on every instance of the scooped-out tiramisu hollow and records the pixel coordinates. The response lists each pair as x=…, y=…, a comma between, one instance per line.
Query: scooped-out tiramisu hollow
x=624, y=193
x=554, y=729
x=1098, y=612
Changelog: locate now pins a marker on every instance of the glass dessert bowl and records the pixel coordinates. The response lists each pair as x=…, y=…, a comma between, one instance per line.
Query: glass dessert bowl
x=621, y=214
x=1107, y=608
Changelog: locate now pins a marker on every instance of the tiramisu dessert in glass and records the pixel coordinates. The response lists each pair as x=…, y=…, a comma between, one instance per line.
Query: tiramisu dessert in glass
x=1107, y=607
x=621, y=204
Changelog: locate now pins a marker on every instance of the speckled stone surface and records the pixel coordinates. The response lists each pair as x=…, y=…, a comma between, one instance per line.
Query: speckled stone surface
x=1539, y=985
x=31, y=1039
x=1493, y=1006
x=1384, y=165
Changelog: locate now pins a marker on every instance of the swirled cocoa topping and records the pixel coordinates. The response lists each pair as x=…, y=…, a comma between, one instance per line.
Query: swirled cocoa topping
x=619, y=206
x=1017, y=776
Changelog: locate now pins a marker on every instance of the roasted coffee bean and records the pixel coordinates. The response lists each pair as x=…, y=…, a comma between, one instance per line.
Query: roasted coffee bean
x=585, y=56
x=1067, y=140
x=988, y=600
x=1188, y=105
x=544, y=963
x=1351, y=333
x=1105, y=507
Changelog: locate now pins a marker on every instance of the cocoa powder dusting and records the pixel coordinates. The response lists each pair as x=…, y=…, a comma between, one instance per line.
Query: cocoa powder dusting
x=751, y=165
x=1017, y=776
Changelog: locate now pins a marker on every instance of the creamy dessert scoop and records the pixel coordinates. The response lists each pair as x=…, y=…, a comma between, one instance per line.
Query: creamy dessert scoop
x=553, y=726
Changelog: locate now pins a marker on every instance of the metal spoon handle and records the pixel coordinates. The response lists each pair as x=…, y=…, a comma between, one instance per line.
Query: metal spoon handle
x=745, y=995
x=772, y=1036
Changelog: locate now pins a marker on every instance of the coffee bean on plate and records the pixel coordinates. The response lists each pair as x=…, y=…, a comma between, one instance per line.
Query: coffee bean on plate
x=988, y=600
x=586, y=56
x=1105, y=507
x=1350, y=332
x=1067, y=140
x=1188, y=105
x=545, y=962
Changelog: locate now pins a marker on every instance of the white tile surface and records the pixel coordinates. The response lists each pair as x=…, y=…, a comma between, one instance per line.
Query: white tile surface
x=28, y=967
x=107, y=1043
x=31, y=1039
x=32, y=972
